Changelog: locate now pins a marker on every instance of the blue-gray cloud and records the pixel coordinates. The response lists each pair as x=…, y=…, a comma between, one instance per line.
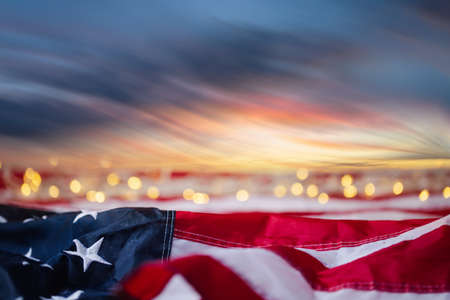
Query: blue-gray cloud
x=53, y=54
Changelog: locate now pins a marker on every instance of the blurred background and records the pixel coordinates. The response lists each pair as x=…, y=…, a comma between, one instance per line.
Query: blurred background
x=201, y=105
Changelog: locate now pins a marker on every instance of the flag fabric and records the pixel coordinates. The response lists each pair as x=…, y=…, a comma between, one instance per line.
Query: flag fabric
x=289, y=256
x=146, y=253
x=77, y=255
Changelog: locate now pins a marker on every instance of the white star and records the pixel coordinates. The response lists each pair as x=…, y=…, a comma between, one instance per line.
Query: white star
x=28, y=255
x=73, y=296
x=88, y=255
x=85, y=213
x=3, y=220
x=44, y=217
x=47, y=266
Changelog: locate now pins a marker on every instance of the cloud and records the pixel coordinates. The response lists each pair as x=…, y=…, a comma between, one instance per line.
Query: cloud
x=237, y=54
x=55, y=72
x=43, y=117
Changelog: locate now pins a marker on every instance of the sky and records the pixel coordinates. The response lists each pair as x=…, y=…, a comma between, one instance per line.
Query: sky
x=230, y=85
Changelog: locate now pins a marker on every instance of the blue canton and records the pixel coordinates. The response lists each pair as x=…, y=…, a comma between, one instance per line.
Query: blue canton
x=77, y=255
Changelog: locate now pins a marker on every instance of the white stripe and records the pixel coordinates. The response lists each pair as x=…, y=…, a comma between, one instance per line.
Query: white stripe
x=334, y=258
x=274, y=279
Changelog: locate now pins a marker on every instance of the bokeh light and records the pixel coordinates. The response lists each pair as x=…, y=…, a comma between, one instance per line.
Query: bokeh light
x=312, y=190
x=99, y=197
x=90, y=195
x=302, y=173
x=134, y=183
x=75, y=186
x=200, y=198
x=113, y=179
x=346, y=180
x=296, y=189
x=53, y=191
x=188, y=194
x=397, y=188
x=424, y=194
x=446, y=192
x=279, y=191
x=153, y=192
x=350, y=191
x=369, y=189
x=25, y=189
x=323, y=198
x=242, y=195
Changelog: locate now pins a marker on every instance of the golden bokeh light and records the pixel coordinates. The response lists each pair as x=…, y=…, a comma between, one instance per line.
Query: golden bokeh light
x=397, y=188
x=279, y=191
x=75, y=186
x=312, y=190
x=99, y=197
x=446, y=192
x=36, y=179
x=424, y=194
x=188, y=194
x=346, y=180
x=323, y=198
x=296, y=189
x=32, y=178
x=134, y=183
x=25, y=189
x=242, y=195
x=53, y=191
x=369, y=189
x=28, y=174
x=200, y=198
x=350, y=191
x=90, y=196
x=153, y=192
x=113, y=179
x=302, y=173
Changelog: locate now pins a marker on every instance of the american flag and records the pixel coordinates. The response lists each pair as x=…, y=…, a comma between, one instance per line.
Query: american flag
x=266, y=247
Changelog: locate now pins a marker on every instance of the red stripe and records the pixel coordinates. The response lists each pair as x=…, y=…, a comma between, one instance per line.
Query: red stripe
x=146, y=282
x=206, y=275
x=421, y=266
x=269, y=229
